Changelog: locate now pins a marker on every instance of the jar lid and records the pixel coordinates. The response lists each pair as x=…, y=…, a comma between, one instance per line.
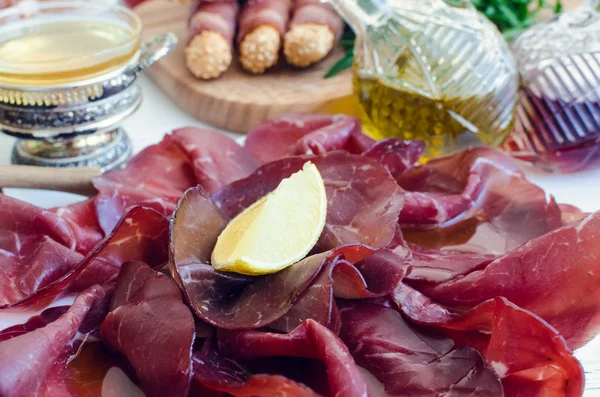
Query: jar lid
x=560, y=58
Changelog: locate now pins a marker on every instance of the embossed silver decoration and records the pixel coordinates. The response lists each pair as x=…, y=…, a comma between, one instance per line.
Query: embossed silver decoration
x=77, y=125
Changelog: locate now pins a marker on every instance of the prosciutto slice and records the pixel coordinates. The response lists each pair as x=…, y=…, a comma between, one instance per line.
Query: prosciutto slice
x=36, y=248
x=408, y=360
x=214, y=16
x=548, y=275
x=306, y=134
x=358, y=211
x=28, y=361
x=254, y=13
x=147, y=310
x=544, y=365
x=313, y=11
x=310, y=340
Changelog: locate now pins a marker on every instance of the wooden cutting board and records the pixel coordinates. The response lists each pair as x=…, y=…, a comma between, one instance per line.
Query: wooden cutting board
x=237, y=101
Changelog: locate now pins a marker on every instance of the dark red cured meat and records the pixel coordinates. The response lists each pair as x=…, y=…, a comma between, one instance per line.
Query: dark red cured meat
x=154, y=178
x=233, y=302
x=544, y=365
x=306, y=134
x=254, y=13
x=82, y=219
x=216, y=158
x=213, y=372
x=224, y=299
x=409, y=360
x=158, y=175
x=548, y=275
x=311, y=340
x=36, y=248
x=28, y=360
x=214, y=16
x=438, y=266
x=478, y=183
x=356, y=272
x=149, y=324
x=35, y=322
x=142, y=234
x=396, y=155
x=363, y=201
x=313, y=11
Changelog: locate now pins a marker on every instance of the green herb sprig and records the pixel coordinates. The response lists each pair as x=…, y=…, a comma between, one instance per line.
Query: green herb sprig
x=510, y=16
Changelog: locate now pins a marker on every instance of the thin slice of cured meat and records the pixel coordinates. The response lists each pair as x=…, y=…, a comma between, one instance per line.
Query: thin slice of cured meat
x=483, y=184
x=213, y=372
x=409, y=360
x=37, y=247
x=396, y=155
x=556, y=276
x=142, y=234
x=214, y=16
x=306, y=134
x=82, y=218
x=353, y=272
x=150, y=325
x=570, y=213
x=158, y=175
x=311, y=340
x=363, y=200
x=255, y=13
x=216, y=158
x=228, y=300
x=27, y=361
x=313, y=11
x=154, y=178
x=443, y=265
x=544, y=364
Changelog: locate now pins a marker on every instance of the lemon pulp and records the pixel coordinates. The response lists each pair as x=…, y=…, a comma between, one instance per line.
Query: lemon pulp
x=276, y=231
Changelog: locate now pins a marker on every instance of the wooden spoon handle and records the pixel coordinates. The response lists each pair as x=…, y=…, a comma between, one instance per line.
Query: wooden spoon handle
x=72, y=180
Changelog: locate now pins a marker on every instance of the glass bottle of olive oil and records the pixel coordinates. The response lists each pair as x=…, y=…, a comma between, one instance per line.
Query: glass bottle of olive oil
x=434, y=70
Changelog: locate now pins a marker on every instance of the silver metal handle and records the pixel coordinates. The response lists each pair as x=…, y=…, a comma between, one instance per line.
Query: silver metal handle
x=155, y=48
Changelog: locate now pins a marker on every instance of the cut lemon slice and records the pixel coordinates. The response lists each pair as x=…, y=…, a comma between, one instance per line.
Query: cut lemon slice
x=276, y=231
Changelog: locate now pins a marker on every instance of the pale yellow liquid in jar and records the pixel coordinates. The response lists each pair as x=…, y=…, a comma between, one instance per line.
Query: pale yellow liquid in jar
x=58, y=52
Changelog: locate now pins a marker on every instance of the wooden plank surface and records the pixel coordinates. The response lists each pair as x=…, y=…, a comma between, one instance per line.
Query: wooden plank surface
x=237, y=101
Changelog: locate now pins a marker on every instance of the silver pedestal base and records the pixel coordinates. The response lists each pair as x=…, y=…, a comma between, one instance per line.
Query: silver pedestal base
x=107, y=150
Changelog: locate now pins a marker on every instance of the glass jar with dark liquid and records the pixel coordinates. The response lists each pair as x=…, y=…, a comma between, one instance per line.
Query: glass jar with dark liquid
x=433, y=70
x=557, y=123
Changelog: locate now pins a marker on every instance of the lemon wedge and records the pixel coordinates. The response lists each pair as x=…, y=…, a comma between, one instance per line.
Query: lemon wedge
x=276, y=231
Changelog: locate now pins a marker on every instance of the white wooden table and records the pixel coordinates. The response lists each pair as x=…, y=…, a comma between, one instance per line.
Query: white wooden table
x=159, y=115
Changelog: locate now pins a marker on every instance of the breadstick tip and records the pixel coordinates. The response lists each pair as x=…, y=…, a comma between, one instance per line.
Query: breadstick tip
x=307, y=43
x=208, y=55
x=259, y=49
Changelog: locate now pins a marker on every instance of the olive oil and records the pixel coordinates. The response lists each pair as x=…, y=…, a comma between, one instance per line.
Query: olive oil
x=62, y=51
x=443, y=123
x=434, y=70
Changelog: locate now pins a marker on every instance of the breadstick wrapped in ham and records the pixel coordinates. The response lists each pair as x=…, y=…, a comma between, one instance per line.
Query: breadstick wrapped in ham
x=212, y=27
x=314, y=29
x=262, y=25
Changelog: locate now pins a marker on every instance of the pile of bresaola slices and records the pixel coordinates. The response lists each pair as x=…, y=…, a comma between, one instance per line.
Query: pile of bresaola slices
x=457, y=277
